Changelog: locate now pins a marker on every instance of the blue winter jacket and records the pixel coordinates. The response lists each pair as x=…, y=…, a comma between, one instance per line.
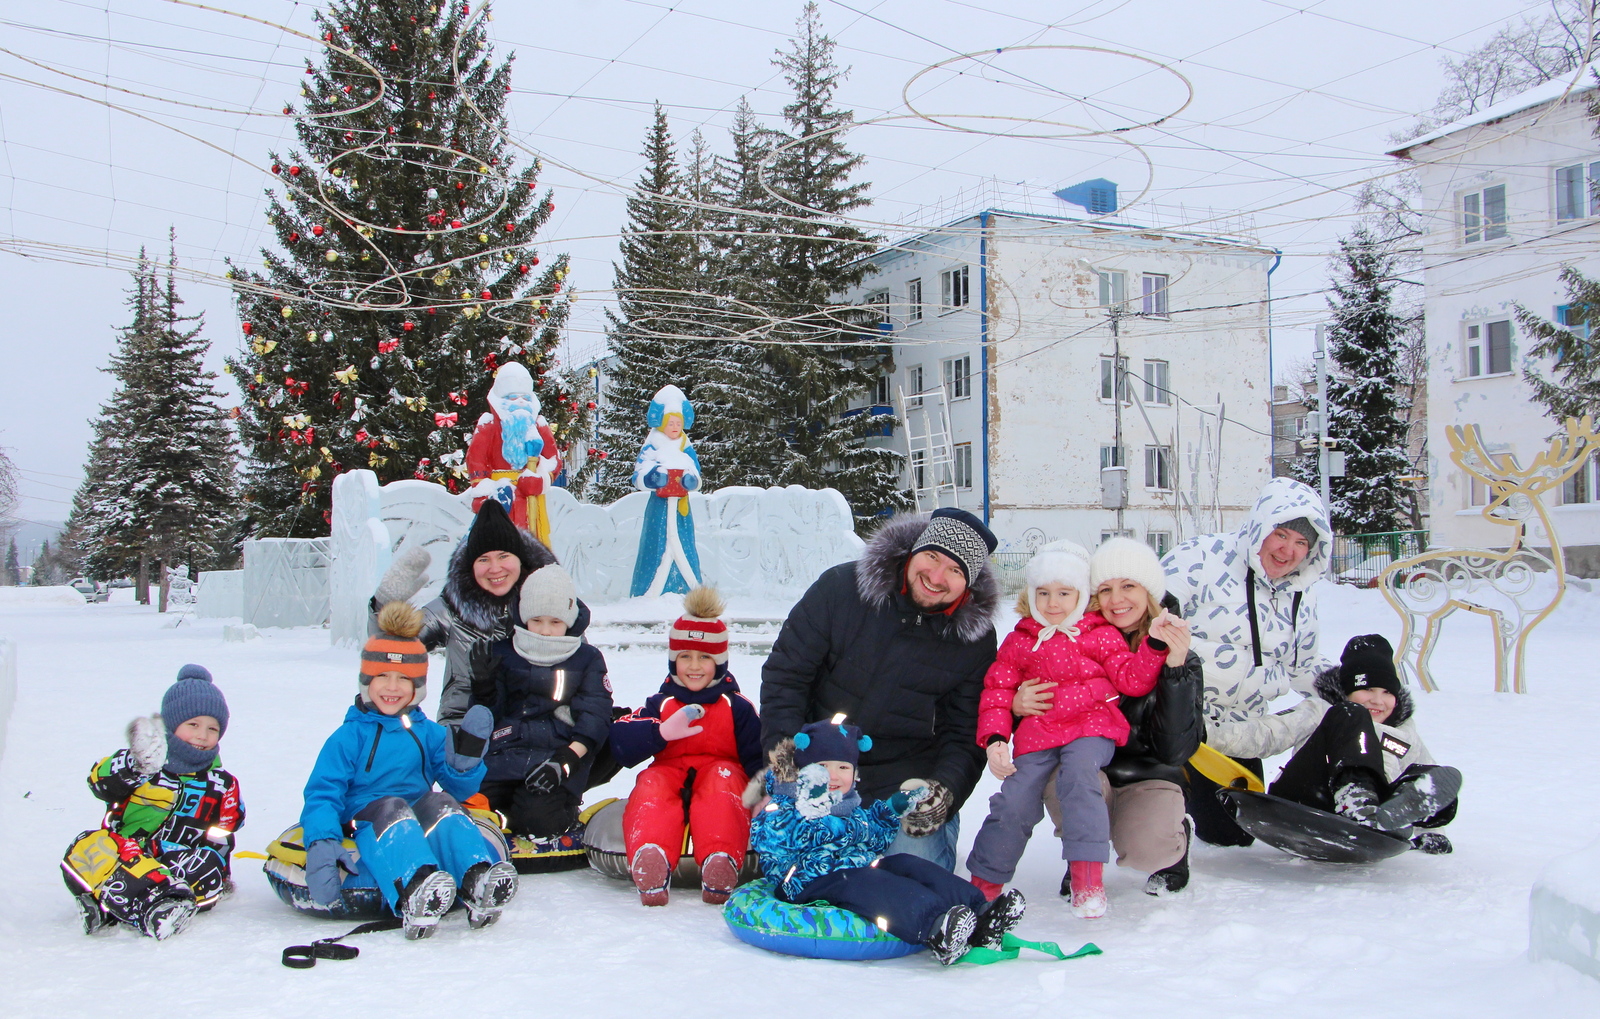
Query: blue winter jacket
x=373, y=755
x=796, y=850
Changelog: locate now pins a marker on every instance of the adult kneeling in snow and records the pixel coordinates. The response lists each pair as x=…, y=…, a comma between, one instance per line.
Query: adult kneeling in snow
x=1249, y=598
x=898, y=642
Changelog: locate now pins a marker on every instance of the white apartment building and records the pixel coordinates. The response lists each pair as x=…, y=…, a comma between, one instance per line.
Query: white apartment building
x=1004, y=320
x=1510, y=198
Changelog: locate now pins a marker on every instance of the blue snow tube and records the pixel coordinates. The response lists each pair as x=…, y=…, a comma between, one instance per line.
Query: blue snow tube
x=813, y=930
x=285, y=868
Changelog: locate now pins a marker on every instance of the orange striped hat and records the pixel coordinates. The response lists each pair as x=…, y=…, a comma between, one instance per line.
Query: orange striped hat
x=395, y=648
x=699, y=628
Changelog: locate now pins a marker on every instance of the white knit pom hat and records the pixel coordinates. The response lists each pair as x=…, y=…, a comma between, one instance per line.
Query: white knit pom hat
x=1128, y=559
x=1062, y=562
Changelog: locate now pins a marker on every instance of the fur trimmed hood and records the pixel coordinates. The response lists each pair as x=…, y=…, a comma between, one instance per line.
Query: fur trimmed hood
x=1329, y=689
x=880, y=570
x=479, y=609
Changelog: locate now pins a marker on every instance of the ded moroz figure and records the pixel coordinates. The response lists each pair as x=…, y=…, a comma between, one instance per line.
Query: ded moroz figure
x=668, y=468
x=513, y=455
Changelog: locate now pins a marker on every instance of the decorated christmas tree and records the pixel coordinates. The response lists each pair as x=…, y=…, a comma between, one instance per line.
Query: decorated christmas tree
x=405, y=273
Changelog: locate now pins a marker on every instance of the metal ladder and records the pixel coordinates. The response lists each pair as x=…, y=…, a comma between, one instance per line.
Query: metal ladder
x=932, y=441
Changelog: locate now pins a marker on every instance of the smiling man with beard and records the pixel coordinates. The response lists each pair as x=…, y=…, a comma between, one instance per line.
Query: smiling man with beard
x=513, y=455
x=897, y=642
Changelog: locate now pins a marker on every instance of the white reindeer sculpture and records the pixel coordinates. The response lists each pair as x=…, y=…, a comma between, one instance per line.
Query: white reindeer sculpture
x=1501, y=585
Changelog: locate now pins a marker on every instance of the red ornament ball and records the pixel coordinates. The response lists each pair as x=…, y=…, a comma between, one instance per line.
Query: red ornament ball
x=510, y=227
x=294, y=171
x=460, y=186
x=524, y=268
x=276, y=168
x=248, y=328
x=591, y=405
x=455, y=224
x=408, y=326
x=293, y=236
x=317, y=230
x=486, y=295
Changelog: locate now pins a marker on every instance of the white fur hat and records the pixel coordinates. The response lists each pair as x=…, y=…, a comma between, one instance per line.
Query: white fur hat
x=512, y=379
x=1062, y=562
x=1128, y=559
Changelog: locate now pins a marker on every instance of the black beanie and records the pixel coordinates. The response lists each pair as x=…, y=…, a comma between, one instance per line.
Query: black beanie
x=493, y=531
x=1367, y=662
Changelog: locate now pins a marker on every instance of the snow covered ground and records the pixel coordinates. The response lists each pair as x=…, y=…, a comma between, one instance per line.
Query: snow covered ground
x=1257, y=934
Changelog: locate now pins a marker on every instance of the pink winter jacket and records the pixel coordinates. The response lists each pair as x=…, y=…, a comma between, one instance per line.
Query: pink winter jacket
x=1090, y=672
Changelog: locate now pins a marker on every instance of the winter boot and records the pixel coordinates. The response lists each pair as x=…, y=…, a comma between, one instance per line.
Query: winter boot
x=989, y=889
x=486, y=888
x=1066, y=883
x=1002, y=915
x=1418, y=798
x=1434, y=843
x=1176, y=877
x=94, y=918
x=1355, y=795
x=718, y=878
x=426, y=898
x=1088, y=888
x=651, y=872
x=951, y=932
x=167, y=915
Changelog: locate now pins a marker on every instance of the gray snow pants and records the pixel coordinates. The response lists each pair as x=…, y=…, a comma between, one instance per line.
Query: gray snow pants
x=1019, y=806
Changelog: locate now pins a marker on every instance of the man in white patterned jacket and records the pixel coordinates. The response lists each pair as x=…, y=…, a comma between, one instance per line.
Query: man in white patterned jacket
x=1249, y=599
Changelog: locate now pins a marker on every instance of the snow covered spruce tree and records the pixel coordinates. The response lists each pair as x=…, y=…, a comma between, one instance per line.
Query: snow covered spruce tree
x=803, y=256
x=406, y=272
x=160, y=488
x=1365, y=400
x=1571, y=388
x=11, y=572
x=658, y=333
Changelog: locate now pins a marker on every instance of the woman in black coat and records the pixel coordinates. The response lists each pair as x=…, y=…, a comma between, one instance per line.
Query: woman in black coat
x=1144, y=783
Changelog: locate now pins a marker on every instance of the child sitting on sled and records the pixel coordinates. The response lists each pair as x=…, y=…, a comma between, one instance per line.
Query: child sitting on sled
x=374, y=779
x=552, y=711
x=1365, y=760
x=705, y=736
x=818, y=843
x=163, y=851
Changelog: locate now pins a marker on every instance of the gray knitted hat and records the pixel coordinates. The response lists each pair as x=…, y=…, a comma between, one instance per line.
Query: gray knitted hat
x=193, y=695
x=549, y=591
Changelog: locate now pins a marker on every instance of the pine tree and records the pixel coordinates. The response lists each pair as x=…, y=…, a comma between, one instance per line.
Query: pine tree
x=816, y=255
x=1574, y=389
x=11, y=574
x=1365, y=401
x=407, y=272
x=160, y=488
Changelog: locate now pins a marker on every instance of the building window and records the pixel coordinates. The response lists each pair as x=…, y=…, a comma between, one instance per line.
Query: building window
x=1111, y=378
x=1477, y=492
x=878, y=304
x=963, y=455
x=1155, y=294
x=1573, y=319
x=1108, y=535
x=1158, y=467
x=914, y=386
x=1159, y=541
x=957, y=377
x=1109, y=457
x=880, y=392
x=1489, y=348
x=1483, y=214
x=919, y=469
x=914, y=300
x=1157, y=388
x=1113, y=289
x=1581, y=487
x=953, y=292
x=1575, y=194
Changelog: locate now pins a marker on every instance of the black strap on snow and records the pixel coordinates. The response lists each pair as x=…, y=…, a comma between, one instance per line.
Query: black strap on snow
x=1255, y=626
x=306, y=956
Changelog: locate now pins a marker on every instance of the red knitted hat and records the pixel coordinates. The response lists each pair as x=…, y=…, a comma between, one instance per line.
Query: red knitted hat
x=699, y=628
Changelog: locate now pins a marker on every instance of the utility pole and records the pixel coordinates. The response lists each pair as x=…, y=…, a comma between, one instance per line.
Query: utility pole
x=1118, y=380
x=1323, y=414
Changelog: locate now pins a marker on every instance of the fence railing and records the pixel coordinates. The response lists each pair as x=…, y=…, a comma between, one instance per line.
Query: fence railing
x=1359, y=558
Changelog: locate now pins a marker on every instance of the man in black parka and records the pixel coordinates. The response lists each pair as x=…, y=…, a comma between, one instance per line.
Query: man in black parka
x=897, y=642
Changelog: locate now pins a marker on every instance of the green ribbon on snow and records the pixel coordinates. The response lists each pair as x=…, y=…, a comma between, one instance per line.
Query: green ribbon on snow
x=1012, y=947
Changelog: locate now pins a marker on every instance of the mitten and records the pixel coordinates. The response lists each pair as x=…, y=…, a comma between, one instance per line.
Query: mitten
x=550, y=774
x=931, y=812
x=324, y=857
x=471, y=739
x=812, y=797
x=655, y=477
x=405, y=576
x=147, y=742
x=905, y=799
x=682, y=724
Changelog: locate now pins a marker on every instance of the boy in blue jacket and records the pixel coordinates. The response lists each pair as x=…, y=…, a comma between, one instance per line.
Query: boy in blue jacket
x=818, y=843
x=375, y=777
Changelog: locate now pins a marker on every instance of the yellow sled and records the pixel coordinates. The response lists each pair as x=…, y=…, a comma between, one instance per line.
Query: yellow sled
x=1225, y=771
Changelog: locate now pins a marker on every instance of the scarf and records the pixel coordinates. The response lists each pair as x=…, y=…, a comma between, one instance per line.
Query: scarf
x=538, y=649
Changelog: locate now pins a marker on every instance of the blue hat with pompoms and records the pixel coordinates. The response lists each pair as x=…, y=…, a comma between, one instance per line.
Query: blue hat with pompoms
x=670, y=400
x=829, y=741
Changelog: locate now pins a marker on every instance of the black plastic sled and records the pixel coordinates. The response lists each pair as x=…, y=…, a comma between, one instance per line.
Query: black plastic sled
x=1311, y=833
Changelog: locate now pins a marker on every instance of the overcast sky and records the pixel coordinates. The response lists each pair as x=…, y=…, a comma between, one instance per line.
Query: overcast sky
x=1292, y=105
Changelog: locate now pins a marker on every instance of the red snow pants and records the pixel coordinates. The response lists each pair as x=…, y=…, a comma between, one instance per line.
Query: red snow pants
x=717, y=818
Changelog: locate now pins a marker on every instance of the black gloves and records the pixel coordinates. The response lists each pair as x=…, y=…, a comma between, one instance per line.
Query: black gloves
x=554, y=771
